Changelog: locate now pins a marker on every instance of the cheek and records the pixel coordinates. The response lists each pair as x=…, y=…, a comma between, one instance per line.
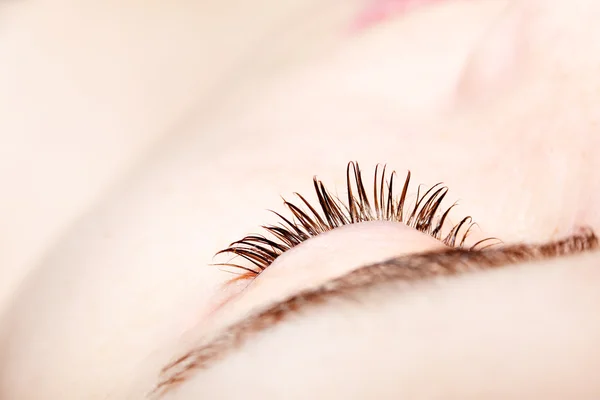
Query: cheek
x=527, y=99
x=553, y=42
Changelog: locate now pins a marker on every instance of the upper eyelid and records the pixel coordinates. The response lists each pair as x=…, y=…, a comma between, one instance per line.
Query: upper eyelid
x=425, y=216
x=405, y=268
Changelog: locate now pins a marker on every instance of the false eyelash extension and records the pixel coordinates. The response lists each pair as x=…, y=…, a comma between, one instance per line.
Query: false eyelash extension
x=425, y=216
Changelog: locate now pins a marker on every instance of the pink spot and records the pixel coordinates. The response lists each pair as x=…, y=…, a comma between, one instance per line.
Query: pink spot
x=380, y=10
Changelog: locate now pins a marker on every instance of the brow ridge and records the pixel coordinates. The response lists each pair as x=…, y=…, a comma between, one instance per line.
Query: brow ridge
x=407, y=268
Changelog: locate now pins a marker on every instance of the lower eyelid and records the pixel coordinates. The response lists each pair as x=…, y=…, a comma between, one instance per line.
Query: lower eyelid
x=321, y=259
x=338, y=252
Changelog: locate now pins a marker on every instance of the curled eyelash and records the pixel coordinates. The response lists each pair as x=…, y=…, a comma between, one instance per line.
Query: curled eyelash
x=425, y=215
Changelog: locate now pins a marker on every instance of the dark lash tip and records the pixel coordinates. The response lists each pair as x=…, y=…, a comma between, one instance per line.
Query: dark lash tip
x=227, y=250
x=474, y=247
x=248, y=270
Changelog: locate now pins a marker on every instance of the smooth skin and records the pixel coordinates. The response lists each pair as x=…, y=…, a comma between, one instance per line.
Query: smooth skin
x=173, y=133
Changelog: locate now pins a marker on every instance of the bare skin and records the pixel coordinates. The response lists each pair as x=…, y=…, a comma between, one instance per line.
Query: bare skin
x=504, y=112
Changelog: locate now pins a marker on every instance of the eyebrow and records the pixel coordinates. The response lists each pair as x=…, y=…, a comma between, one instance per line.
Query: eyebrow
x=408, y=268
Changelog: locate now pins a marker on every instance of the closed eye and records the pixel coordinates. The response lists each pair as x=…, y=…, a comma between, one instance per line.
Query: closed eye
x=426, y=215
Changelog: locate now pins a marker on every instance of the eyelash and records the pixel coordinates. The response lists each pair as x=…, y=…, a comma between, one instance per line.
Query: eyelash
x=425, y=216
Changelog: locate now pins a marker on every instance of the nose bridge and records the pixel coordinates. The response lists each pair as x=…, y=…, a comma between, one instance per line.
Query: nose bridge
x=566, y=31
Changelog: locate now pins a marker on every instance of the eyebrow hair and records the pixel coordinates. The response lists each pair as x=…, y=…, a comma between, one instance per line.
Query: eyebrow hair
x=407, y=268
